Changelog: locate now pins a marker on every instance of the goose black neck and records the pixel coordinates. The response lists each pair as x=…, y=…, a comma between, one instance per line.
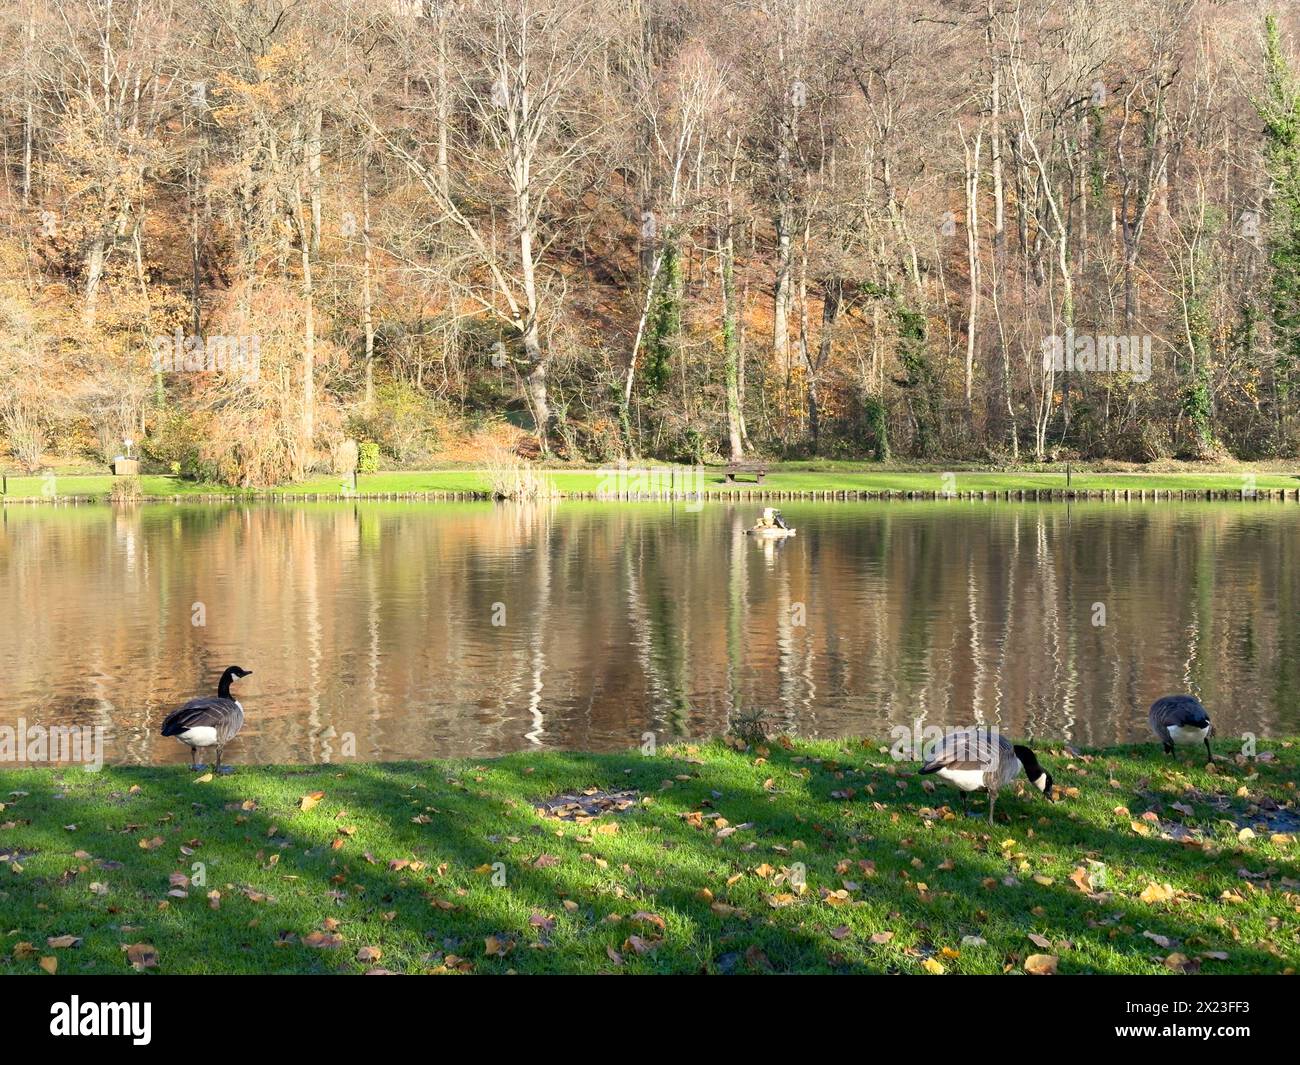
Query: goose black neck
x=223, y=689
x=1027, y=759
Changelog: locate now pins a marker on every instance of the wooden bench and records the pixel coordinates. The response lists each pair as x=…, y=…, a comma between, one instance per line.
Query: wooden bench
x=758, y=469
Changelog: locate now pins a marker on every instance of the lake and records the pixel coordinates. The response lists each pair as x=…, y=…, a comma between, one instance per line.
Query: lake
x=407, y=630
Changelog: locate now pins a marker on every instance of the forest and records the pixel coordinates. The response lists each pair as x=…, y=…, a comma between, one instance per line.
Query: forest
x=251, y=236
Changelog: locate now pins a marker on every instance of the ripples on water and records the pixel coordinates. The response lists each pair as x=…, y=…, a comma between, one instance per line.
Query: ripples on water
x=376, y=620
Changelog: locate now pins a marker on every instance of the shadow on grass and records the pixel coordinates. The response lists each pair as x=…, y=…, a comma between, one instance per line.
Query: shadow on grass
x=458, y=820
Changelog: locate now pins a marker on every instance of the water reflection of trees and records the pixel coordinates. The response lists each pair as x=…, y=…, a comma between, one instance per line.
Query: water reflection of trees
x=376, y=620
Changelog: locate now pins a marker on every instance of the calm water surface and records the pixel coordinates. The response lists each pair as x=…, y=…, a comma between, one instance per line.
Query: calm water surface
x=474, y=629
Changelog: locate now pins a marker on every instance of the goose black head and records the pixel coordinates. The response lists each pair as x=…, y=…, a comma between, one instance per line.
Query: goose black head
x=1038, y=776
x=231, y=673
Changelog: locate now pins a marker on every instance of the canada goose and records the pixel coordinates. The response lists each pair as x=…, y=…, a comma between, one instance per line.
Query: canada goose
x=1180, y=719
x=974, y=758
x=209, y=722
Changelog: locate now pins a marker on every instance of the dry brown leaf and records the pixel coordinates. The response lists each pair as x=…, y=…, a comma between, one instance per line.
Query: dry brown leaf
x=310, y=800
x=652, y=919
x=640, y=945
x=498, y=946
x=141, y=955
x=60, y=942
x=323, y=940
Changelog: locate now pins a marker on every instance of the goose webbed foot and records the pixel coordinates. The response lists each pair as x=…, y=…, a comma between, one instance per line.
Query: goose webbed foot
x=225, y=770
x=1169, y=749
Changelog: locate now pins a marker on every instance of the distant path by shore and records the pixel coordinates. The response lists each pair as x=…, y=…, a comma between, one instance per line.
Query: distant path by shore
x=783, y=482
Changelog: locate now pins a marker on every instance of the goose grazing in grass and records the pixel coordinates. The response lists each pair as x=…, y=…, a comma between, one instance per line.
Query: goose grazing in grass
x=975, y=758
x=209, y=722
x=1180, y=720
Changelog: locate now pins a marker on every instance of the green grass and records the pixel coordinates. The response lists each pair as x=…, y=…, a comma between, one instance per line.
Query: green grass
x=90, y=855
x=788, y=477
x=398, y=481
x=165, y=485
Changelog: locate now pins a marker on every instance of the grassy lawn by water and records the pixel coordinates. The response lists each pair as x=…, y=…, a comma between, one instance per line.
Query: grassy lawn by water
x=790, y=857
x=782, y=477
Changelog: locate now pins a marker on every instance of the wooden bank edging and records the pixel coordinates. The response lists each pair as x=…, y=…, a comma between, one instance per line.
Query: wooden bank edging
x=719, y=495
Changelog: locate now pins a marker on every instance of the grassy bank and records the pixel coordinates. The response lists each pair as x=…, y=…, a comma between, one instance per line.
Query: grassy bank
x=1142, y=867
x=781, y=478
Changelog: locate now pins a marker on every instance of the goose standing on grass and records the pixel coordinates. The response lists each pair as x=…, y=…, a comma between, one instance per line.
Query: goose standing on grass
x=974, y=758
x=209, y=721
x=1181, y=720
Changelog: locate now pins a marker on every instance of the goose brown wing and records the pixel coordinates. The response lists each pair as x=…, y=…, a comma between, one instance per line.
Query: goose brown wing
x=1175, y=710
x=968, y=749
x=223, y=715
x=1178, y=710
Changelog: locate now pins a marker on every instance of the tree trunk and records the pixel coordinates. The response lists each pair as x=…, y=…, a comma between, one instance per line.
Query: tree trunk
x=308, y=315
x=313, y=176
x=1000, y=237
x=367, y=307
x=781, y=292
x=730, y=340
x=94, y=276
x=29, y=114
x=535, y=380
x=832, y=294
x=443, y=106
x=973, y=263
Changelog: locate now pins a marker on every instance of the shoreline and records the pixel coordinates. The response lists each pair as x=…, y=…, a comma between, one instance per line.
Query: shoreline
x=1023, y=495
x=783, y=482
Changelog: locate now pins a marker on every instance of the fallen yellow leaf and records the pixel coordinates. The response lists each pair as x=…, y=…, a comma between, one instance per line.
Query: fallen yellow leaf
x=1157, y=893
x=311, y=800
